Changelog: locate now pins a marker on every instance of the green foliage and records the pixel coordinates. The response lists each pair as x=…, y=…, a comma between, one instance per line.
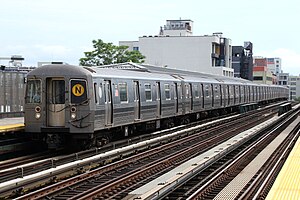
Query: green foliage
x=107, y=53
x=297, y=99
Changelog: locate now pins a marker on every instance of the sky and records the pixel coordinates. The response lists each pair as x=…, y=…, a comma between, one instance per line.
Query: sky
x=61, y=30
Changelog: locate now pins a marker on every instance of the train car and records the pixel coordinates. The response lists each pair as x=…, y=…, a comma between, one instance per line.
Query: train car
x=87, y=106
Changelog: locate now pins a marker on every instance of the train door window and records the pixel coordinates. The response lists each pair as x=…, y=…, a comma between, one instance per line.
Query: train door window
x=190, y=88
x=123, y=92
x=58, y=91
x=95, y=93
x=202, y=95
x=148, y=92
x=213, y=94
x=196, y=90
x=221, y=94
x=241, y=93
x=206, y=91
x=100, y=91
x=33, y=91
x=158, y=98
x=187, y=91
x=176, y=97
x=167, y=92
x=228, y=94
x=179, y=90
x=249, y=93
x=216, y=91
x=78, y=88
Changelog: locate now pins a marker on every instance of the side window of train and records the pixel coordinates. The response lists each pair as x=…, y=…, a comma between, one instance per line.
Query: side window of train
x=123, y=90
x=167, y=92
x=148, y=92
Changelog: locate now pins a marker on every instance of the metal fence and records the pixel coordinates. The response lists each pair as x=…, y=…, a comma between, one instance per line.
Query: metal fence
x=12, y=88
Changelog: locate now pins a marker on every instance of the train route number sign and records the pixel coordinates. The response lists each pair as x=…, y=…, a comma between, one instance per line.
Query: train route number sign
x=78, y=90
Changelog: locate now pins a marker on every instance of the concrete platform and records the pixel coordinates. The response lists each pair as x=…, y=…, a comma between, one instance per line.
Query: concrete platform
x=11, y=124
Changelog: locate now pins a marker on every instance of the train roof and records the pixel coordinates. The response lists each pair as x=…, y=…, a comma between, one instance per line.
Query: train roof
x=59, y=70
x=146, y=70
x=136, y=71
x=148, y=75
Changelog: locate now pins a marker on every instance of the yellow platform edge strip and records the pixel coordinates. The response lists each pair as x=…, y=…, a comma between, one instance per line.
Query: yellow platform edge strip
x=12, y=127
x=287, y=183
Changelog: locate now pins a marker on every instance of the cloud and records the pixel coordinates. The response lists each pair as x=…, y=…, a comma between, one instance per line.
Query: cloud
x=290, y=59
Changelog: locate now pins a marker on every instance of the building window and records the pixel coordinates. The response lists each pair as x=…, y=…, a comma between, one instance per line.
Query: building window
x=123, y=92
x=135, y=48
x=257, y=78
x=148, y=92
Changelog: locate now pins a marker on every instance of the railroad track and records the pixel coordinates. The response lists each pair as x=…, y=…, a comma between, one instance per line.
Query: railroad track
x=221, y=179
x=145, y=166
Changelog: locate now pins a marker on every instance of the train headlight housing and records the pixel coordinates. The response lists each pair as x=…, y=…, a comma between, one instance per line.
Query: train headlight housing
x=73, y=112
x=37, y=115
x=73, y=115
x=37, y=112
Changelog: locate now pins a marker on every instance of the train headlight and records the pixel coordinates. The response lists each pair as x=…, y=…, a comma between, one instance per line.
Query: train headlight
x=37, y=115
x=73, y=115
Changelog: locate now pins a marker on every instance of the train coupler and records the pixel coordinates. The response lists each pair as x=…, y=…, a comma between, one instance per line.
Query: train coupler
x=54, y=140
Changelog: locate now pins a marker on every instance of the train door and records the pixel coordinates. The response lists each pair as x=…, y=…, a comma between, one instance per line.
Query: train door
x=55, y=102
x=108, y=103
x=137, y=102
x=158, y=99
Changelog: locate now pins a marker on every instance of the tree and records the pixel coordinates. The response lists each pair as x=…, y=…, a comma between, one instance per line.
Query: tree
x=107, y=53
x=297, y=99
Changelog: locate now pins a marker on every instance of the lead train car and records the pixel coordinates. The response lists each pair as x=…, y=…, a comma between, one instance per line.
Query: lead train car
x=84, y=106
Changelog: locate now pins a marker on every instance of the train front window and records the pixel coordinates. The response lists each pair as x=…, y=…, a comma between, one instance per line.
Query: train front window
x=79, y=92
x=33, y=91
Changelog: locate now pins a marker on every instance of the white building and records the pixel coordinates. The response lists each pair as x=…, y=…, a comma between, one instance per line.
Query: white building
x=176, y=47
x=294, y=82
x=274, y=65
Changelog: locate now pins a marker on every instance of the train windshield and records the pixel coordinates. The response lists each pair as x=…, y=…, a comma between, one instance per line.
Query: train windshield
x=33, y=91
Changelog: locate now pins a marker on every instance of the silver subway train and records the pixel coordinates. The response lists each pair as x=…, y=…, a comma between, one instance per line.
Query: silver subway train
x=84, y=106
